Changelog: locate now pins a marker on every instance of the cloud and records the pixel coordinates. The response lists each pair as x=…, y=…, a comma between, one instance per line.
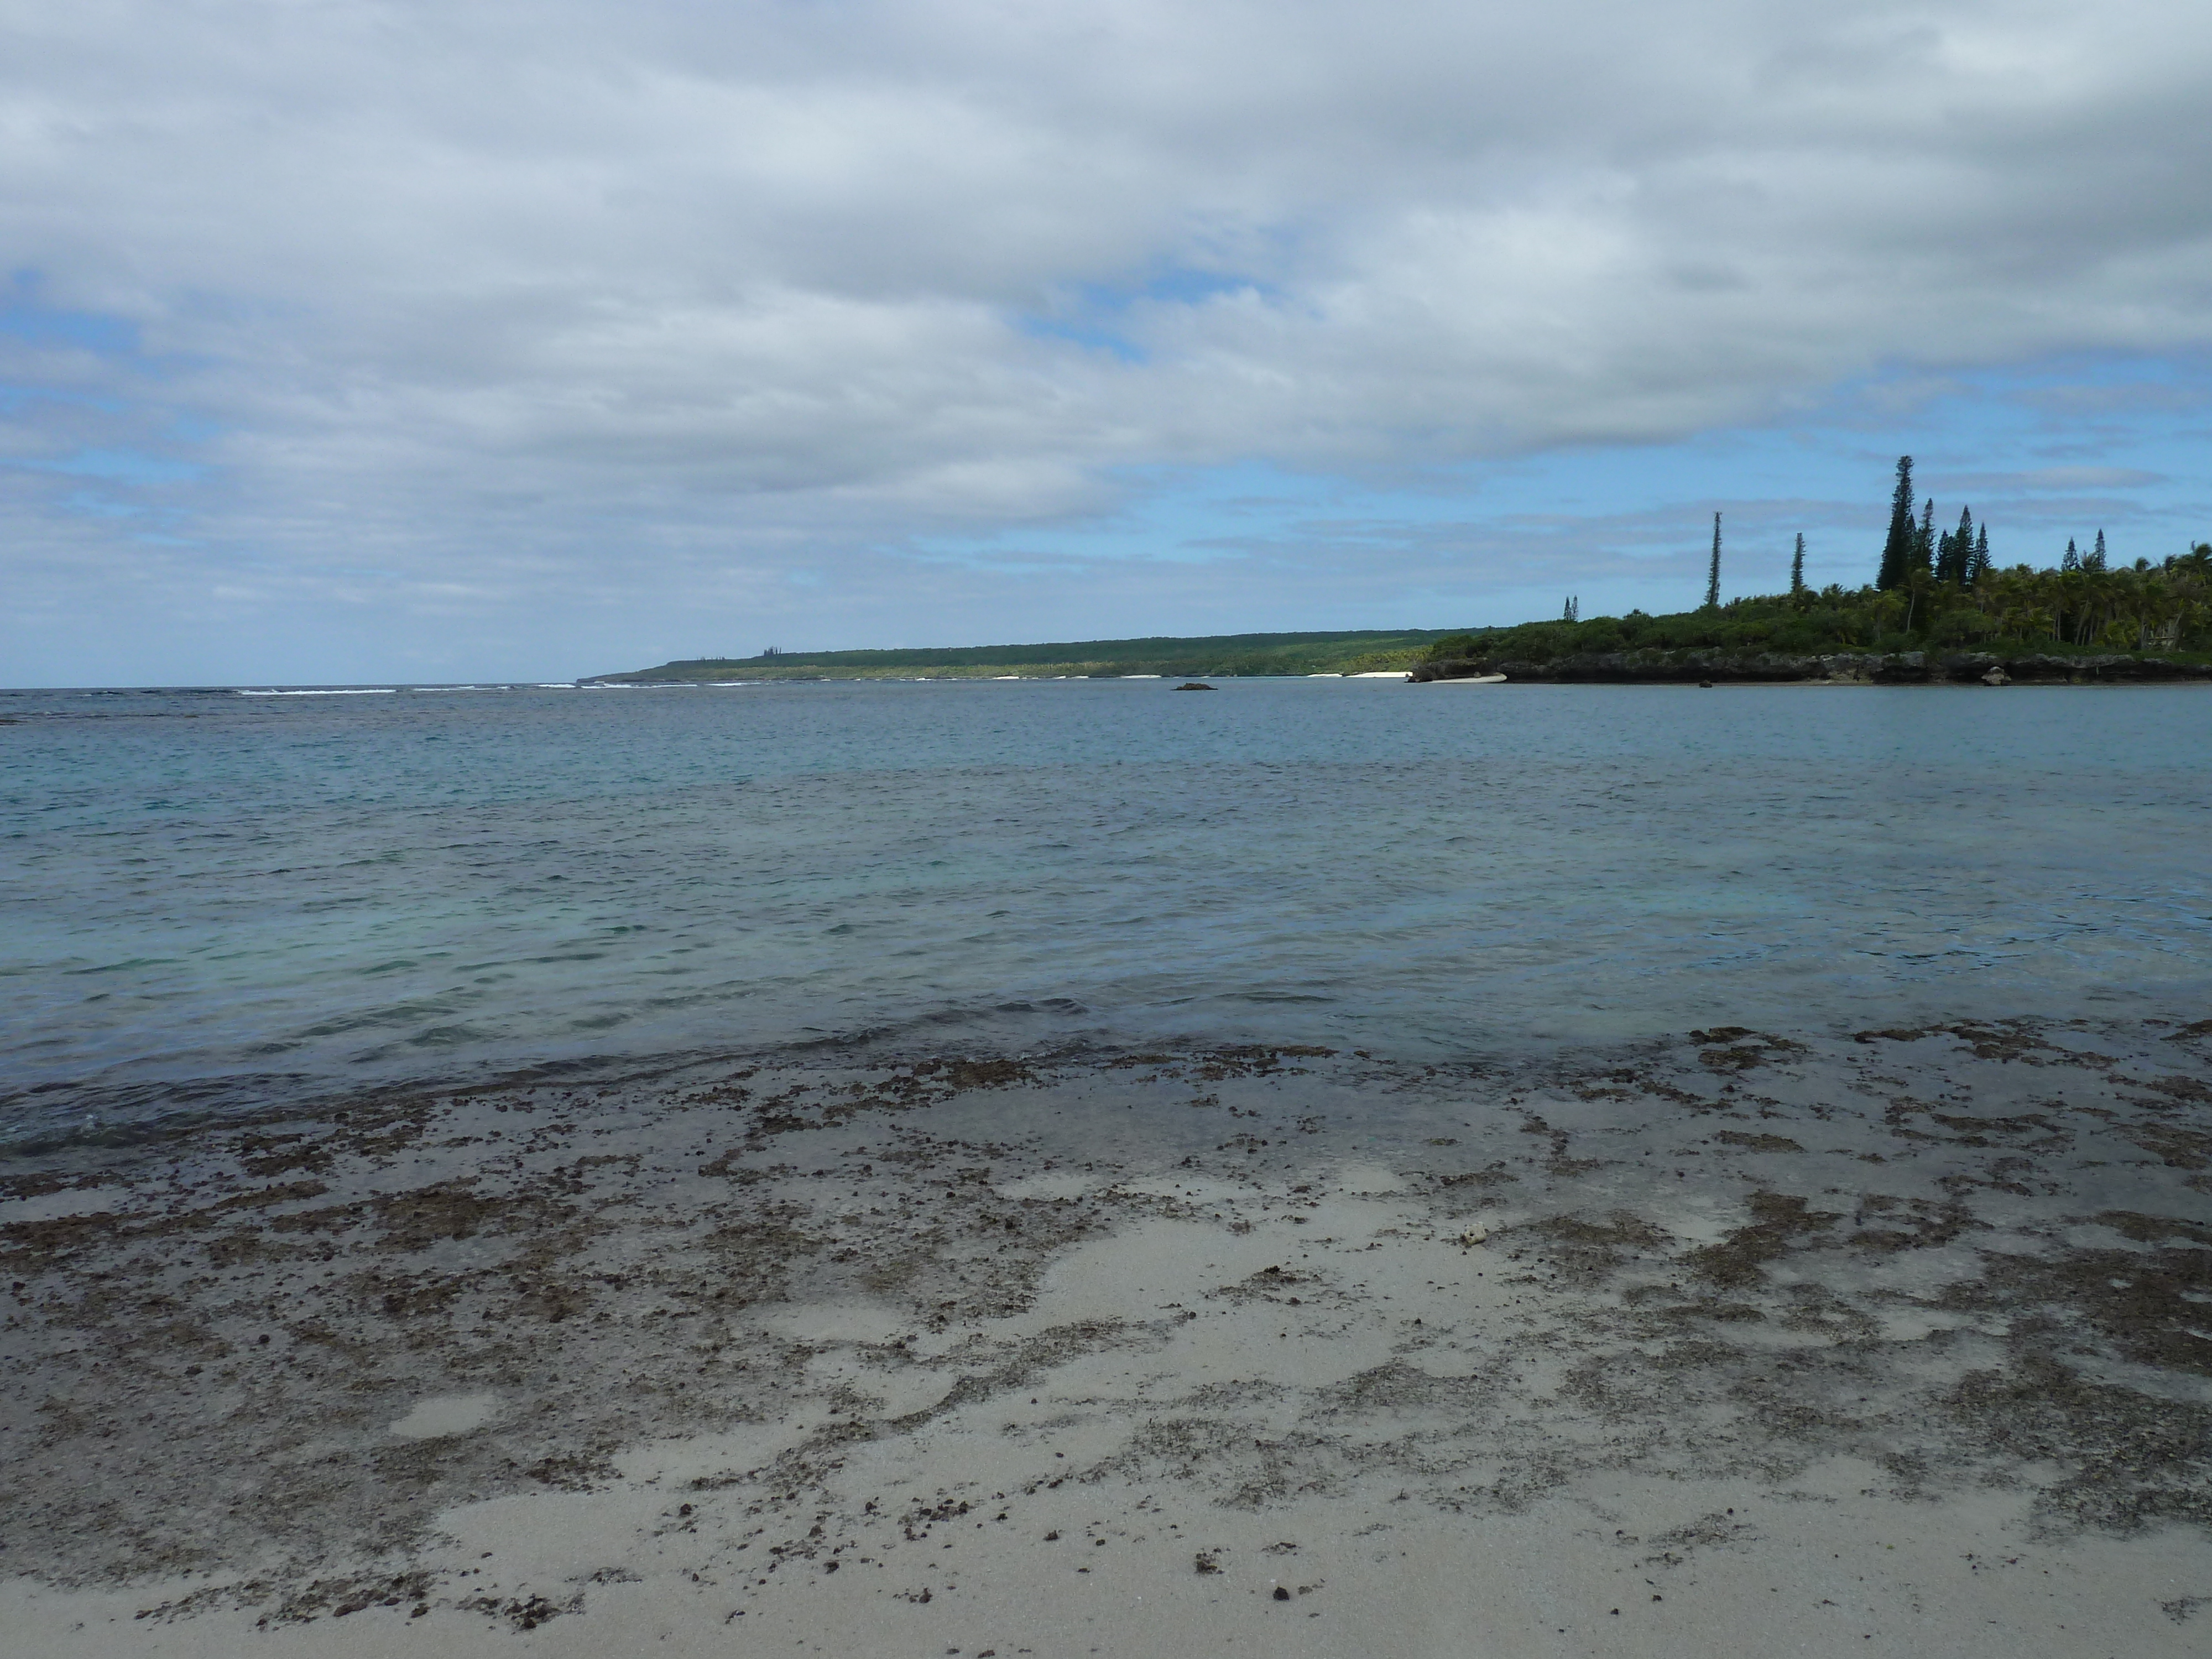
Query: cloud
x=500, y=300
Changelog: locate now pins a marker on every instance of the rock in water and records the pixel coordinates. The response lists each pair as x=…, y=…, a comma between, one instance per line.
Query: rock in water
x=1193, y=685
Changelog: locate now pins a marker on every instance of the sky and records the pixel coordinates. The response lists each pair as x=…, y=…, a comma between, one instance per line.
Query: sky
x=346, y=342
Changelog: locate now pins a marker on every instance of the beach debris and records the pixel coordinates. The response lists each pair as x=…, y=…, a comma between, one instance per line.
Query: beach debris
x=1473, y=1237
x=1207, y=1561
x=1281, y=1595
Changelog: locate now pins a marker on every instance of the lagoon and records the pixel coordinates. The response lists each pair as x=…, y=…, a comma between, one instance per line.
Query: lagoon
x=221, y=901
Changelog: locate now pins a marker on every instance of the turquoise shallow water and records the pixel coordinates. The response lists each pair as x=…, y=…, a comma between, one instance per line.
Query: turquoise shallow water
x=216, y=900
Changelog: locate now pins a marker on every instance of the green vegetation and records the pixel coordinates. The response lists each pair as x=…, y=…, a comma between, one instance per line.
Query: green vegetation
x=1931, y=593
x=2165, y=608
x=1342, y=653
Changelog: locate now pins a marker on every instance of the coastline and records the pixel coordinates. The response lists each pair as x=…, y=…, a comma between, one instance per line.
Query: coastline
x=1883, y=1343
x=1721, y=667
x=1645, y=667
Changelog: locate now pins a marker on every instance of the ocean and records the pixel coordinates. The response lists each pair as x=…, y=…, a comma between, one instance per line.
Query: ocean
x=221, y=901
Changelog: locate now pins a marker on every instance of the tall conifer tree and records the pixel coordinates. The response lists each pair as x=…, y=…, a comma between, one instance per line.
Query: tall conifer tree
x=1923, y=539
x=1897, y=551
x=1713, y=571
x=1797, y=566
x=2071, y=559
x=2096, y=559
x=1954, y=553
x=1981, y=567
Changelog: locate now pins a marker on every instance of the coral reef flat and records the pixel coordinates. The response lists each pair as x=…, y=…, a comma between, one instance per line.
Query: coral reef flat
x=1889, y=1342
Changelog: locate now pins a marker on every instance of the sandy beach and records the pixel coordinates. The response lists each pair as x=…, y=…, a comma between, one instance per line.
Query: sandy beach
x=1879, y=1343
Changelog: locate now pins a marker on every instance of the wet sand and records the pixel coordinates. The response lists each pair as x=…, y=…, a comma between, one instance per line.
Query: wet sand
x=1885, y=1343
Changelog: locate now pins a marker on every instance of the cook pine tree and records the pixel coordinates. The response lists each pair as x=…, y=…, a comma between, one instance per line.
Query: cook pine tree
x=1954, y=554
x=1897, y=551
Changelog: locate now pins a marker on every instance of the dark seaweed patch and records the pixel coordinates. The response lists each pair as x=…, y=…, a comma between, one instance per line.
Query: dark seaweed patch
x=1779, y=1224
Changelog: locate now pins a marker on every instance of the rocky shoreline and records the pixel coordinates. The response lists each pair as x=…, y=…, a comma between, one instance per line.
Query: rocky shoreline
x=1719, y=667
x=1886, y=1343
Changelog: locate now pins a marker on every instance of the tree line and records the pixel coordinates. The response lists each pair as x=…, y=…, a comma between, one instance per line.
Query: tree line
x=1955, y=593
x=1933, y=590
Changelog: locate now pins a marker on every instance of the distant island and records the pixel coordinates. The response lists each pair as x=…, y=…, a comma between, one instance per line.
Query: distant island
x=1211, y=655
x=1938, y=610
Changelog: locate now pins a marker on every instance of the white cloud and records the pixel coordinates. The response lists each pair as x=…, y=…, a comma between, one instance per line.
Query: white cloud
x=499, y=302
